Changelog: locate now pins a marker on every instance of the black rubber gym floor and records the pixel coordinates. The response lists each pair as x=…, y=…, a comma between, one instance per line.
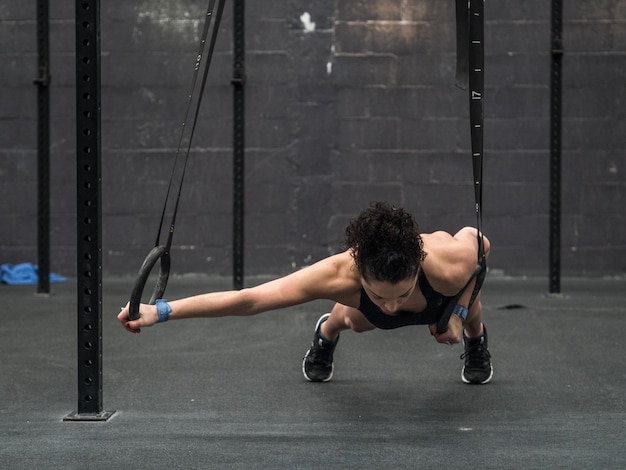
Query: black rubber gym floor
x=229, y=393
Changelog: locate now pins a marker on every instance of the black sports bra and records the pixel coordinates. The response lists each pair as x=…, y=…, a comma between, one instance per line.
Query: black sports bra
x=435, y=303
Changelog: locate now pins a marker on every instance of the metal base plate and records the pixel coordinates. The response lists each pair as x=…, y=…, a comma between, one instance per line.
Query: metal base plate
x=102, y=416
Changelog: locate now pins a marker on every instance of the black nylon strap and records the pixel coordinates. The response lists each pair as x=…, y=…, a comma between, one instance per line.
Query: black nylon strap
x=470, y=62
x=470, y=75
x=162, y=252
x=476, y=95
x=200, y=93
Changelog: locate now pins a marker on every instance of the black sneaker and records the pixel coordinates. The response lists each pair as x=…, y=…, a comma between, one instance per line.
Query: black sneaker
x=477, y=368
x=317, y=365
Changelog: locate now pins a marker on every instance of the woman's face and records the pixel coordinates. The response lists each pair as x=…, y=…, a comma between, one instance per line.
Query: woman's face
x=390, y=297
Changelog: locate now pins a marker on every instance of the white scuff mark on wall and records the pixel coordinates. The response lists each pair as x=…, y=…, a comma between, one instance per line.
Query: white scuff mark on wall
x=147, y=95
x=613, y=168
x=309, y=26
x=137, y=34
x=171, y=18
x=329, y=64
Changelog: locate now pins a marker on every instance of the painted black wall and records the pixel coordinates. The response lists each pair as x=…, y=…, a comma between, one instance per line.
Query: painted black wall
x=358, y=106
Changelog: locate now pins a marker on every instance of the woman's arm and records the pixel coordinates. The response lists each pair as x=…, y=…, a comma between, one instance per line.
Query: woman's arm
x=322, y=280
x=449, y=270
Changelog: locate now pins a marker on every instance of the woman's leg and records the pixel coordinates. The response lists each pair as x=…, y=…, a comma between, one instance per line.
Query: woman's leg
x=344, y=318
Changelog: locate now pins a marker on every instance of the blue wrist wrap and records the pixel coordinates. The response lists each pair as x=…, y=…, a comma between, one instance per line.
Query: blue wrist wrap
x=460, y=311
x=163, y=310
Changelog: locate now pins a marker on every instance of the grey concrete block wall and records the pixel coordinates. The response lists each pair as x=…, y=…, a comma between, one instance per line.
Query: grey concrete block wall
x=357, y=107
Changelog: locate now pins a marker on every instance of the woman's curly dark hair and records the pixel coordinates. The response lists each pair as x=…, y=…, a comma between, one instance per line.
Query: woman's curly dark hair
x=385, y=243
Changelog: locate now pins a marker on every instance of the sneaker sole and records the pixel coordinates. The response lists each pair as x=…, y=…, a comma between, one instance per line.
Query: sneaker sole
x=487, y=380
x=319, y=322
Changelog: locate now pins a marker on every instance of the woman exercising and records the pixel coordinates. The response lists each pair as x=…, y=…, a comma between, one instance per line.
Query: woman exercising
x=390, y=276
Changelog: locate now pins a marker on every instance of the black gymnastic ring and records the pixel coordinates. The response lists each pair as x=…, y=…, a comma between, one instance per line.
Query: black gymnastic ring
x=158, y=252
x=442, y=324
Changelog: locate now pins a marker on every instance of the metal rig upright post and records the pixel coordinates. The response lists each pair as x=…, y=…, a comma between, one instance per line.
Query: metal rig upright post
x=43, y=146
x=238, y=81
x=555, y=146
x=88, y=213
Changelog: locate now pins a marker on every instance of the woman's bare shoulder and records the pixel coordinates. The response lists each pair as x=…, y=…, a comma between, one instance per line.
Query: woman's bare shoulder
x=333, y=278
x=449, y=261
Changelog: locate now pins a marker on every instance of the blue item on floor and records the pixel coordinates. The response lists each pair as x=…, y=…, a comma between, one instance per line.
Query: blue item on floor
x=24, y=273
